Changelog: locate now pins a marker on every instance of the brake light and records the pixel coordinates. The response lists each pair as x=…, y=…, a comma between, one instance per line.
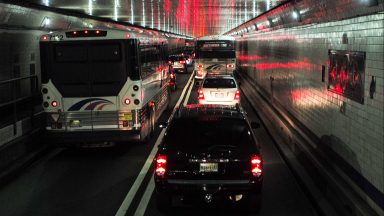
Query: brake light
x=127, y=101
x=182, y=62
x=97, y=32
x=161, y=162
x=237, y=95
x=200, y=66
x=54, y=103
x=256, y=166
x=44, y=38
x=201, y=95
x=230, y=65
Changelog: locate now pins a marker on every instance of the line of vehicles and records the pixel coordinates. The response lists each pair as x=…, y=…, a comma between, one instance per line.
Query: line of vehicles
x=112, y=85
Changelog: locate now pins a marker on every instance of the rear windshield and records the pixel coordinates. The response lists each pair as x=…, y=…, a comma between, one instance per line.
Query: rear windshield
x=205, y=133
x=176, y=58
x=87, y=68
x=219, y=83
x=215, y=54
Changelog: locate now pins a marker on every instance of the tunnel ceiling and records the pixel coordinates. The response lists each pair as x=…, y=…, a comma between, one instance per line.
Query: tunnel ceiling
x=188, y=17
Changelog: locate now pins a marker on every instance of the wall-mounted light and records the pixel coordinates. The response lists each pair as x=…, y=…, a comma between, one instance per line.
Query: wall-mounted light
x=370, y=3
x=296, y=15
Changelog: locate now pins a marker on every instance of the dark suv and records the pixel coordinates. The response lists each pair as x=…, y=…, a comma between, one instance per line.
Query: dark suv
x=209, y=152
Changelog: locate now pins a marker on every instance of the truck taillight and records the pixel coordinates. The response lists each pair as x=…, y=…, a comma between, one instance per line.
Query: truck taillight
x=237, y=95
x=161, y=168
x=182, y=62
x=256, y=166
x=200, y=66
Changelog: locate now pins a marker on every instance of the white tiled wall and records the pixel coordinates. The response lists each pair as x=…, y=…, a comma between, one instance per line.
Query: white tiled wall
x=298, y=87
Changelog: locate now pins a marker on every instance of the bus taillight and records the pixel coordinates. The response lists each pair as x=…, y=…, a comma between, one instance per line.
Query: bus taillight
x=44, y=38
x=230, y=65
x=127, y=101
x=54, y=103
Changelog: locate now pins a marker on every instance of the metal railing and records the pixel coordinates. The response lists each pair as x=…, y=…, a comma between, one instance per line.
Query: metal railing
x=15, y=99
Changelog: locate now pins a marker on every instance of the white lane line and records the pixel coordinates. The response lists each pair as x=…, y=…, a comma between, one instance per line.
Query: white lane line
x=151, y=185
x=139, y=179
x=189, y=93
x=145, y=199
x=182, y=94
x=132, y=192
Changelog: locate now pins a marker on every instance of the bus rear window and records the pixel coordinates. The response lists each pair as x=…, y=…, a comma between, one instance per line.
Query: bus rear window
x=67, y=53
x=94, y=52
x=105, y=52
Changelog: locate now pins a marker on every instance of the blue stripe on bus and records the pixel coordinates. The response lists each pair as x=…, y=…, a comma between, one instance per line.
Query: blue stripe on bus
x=77, y=106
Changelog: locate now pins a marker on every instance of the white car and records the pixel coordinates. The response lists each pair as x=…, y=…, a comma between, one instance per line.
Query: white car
x=219, y=90
x=178, y=63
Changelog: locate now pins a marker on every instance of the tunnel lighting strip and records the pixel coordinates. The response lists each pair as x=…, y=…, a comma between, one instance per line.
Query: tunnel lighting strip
x=144, y=170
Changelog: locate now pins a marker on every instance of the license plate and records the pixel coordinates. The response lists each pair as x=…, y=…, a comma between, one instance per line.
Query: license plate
x=208, y=167
x=128, y=116
x=219, y=95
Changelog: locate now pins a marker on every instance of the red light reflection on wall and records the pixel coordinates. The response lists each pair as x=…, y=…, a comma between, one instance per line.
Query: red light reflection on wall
x=289, y=65
x=167, y=7
x=308, y=97
x=346, y=73
x=273, y=37
x=250, y=58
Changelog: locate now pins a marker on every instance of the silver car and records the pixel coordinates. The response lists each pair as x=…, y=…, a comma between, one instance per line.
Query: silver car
x=219, y=90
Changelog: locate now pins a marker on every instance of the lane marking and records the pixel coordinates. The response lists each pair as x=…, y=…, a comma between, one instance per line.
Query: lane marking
x=139, y=179
x=146, y=198
x=189, y=92
x=151, y=185
x=132, y=192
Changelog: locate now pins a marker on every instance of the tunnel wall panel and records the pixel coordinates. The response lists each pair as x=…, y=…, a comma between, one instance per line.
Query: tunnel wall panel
x=288, y=62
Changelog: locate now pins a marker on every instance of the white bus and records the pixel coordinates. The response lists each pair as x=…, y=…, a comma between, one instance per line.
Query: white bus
x=215, y=54
x=103, y=85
